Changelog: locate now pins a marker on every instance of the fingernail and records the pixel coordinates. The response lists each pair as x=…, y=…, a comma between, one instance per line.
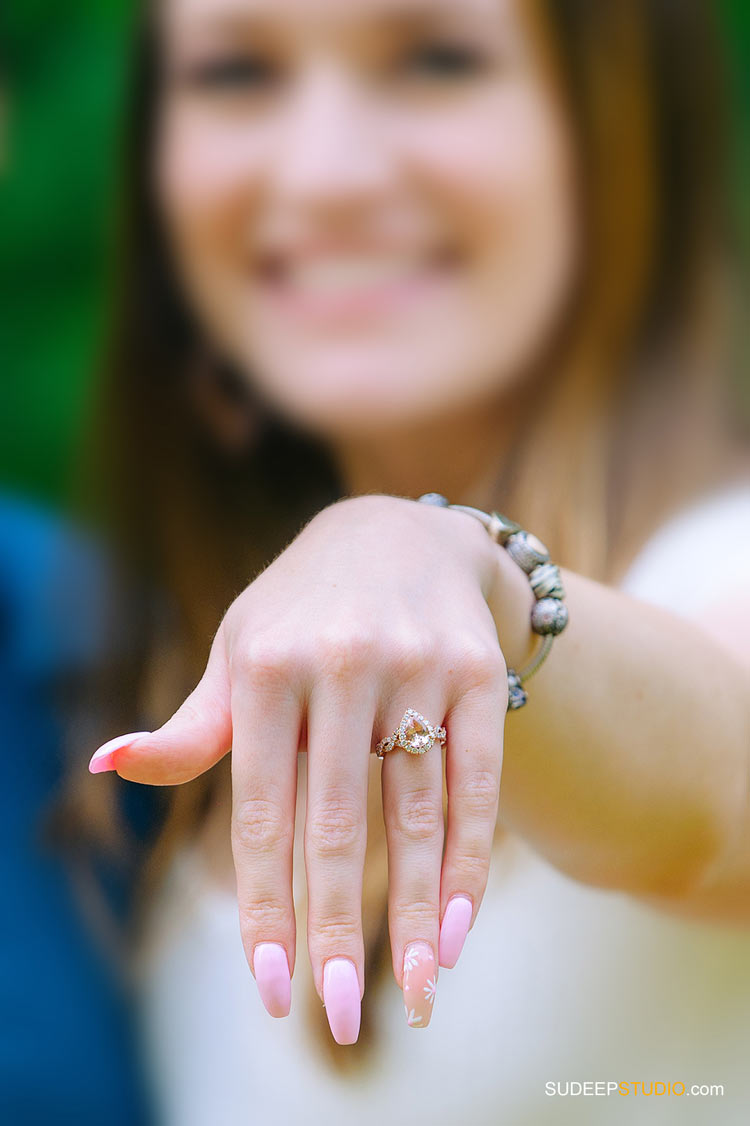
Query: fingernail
x=454, y=929
x=419, y=983
x=103, y=759
x=271, y=968
x=341, y=999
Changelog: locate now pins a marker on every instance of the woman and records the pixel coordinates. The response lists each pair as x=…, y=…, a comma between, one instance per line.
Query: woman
x=378, y=251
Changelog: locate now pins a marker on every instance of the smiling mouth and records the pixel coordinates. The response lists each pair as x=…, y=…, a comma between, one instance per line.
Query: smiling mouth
x=341, y=284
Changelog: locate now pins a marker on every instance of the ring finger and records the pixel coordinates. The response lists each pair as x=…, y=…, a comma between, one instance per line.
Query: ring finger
x=413, y=813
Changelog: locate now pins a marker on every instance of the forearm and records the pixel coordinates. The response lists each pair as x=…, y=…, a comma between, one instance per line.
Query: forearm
x=628, y=766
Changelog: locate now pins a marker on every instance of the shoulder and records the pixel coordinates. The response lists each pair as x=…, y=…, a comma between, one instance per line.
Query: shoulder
x=698, y=552
x=697, y=564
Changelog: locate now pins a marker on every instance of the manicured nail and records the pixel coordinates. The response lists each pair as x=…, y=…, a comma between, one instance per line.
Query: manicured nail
x=341, y=999
x=271, y=967
x=103, y=759
x=419, y=983
x=454, y=929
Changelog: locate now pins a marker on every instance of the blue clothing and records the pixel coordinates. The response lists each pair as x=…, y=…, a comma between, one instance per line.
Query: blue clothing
x=68, y=1053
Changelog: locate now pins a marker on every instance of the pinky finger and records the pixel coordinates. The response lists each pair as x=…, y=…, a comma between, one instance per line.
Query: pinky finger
x=474, y=756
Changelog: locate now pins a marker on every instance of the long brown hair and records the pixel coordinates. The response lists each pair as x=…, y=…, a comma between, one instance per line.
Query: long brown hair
x=634, y=421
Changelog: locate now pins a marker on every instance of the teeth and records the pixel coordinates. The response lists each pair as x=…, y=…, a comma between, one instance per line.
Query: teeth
x=344, y=275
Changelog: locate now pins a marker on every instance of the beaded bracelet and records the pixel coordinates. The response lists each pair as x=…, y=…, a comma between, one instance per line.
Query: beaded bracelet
x=549, y=615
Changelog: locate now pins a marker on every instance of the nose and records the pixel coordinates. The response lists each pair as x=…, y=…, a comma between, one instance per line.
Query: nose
x=331, y=150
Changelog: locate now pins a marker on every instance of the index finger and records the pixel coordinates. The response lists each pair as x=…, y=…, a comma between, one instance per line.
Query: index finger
x=266, y=720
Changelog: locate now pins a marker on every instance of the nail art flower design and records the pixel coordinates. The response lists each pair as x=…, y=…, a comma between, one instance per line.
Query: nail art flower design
x=411, y=958
x=419, y=983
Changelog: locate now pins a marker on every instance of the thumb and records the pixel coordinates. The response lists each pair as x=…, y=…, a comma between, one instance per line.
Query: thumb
x=191, y=742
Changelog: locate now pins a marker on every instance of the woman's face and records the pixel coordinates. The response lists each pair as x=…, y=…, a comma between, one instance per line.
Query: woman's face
x=370, y=204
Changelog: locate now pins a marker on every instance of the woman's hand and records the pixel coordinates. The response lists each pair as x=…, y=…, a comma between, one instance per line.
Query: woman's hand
x=378, y=605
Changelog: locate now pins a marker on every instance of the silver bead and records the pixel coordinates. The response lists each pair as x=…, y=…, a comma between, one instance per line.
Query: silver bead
x=546, y=581
x=434, y=498
x=501, y=527
x=517, y=695
x=549, y=615
x=527, y=551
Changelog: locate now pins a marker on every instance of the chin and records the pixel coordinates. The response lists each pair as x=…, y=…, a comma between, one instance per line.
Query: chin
x=345, y=415
x=366, y=389
x=335, y=395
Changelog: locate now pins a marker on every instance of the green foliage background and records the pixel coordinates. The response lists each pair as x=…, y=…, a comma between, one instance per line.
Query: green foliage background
x=64, y=68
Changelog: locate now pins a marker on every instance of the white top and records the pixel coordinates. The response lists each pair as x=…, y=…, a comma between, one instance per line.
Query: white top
x=557, y=981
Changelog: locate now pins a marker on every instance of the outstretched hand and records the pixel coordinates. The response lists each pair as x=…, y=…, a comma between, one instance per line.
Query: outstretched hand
x=379, y=605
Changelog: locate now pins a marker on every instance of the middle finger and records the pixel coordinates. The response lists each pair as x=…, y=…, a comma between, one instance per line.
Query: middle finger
x=340, y=719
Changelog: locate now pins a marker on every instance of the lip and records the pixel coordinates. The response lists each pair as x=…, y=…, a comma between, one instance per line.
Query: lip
x=345, y=287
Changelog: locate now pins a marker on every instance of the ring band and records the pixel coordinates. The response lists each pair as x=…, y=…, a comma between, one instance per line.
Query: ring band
x=414, y=734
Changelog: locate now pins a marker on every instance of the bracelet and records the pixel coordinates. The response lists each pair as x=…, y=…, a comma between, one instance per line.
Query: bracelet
x=549, y=615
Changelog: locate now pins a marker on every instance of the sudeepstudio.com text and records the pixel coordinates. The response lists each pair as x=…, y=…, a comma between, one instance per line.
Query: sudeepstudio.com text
x=599, y=1088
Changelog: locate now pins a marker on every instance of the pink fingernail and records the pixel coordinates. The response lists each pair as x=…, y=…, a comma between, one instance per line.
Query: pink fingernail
x=103, y=759
x=271, y=967
x=341, y=999
x=419, y=983
x=454, y=929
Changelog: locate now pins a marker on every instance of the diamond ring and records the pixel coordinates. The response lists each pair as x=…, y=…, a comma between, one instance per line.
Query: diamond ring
x=414, y=733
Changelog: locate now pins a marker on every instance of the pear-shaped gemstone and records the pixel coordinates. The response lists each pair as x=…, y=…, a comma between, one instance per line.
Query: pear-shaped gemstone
x=416, y=734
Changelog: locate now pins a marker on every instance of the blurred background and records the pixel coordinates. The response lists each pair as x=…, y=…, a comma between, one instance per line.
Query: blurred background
x=64, y=80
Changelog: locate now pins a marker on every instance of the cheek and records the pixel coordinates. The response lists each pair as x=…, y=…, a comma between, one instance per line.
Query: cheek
x=504, y=171
x=205, y=183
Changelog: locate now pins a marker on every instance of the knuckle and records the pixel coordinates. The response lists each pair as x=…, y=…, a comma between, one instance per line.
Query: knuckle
x=262, y=663
x=411, y=656
x=347, y=653
x=472, y=867
x=480, y=663
x=333, y=930
x=419, y=815
x=263, y=917
x=479, y=793
x=416, y=915
x=259, y=824
x=334, y=826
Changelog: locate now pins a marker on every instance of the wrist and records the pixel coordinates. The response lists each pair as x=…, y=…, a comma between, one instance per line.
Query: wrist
x=511, y=601
x=548, y=615
x=463, y=535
